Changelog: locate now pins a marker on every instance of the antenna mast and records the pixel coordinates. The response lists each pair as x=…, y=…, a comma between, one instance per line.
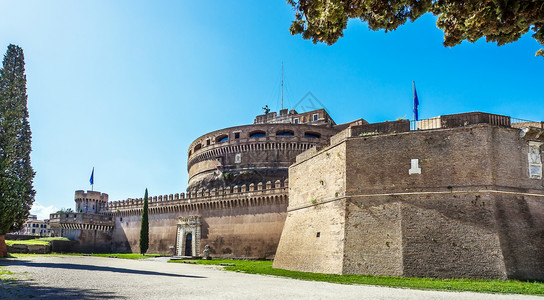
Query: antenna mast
x=282, y=85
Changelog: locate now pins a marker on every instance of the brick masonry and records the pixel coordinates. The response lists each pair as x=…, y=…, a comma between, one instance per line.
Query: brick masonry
x=472, y=212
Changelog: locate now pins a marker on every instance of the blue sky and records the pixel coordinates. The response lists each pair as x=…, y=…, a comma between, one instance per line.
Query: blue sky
x=126, y=86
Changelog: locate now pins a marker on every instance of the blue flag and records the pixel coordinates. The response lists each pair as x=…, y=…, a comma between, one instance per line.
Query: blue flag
x=416, y=103
x=92, y=177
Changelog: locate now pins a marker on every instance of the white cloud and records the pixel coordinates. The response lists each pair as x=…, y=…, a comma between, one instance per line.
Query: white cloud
x=42, y=211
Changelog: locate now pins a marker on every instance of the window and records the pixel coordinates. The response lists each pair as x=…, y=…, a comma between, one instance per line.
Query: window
x=236, y=135
x=296, y=121
x=197, y=147
x=257, y=134
x=315, y=117
x=314, y=135
x=222, y=138
x=285, y=133
x=207, y=142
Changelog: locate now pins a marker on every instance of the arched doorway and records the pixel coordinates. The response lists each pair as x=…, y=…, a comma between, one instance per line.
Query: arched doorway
x=189, y=244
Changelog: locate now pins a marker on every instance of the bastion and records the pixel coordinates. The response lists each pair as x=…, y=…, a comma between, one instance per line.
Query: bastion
x=462, y=196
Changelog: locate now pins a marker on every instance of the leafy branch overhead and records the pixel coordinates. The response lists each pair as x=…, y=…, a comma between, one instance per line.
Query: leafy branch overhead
x=500, y=21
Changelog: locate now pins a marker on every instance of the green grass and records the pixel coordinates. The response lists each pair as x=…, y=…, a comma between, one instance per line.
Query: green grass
x=37, y=241
x=6, y=275
x=481, y=286
x=27, y=242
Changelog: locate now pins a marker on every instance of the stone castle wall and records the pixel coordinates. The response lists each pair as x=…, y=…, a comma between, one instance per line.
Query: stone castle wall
x=245, y=221
x=91, y=231
x=467, y=207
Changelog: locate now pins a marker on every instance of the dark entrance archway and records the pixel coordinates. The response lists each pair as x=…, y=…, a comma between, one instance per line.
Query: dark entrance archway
x=189, y=244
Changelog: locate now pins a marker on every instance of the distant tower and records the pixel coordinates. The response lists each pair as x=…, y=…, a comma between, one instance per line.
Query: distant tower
x=90, y=202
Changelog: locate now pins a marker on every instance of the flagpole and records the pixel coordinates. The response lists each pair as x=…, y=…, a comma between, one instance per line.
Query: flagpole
x=413, y=108
x=92, y=180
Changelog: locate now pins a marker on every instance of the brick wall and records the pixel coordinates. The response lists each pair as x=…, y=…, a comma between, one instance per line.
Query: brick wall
x=241, y=231
x=313, y=235
x=472, y=212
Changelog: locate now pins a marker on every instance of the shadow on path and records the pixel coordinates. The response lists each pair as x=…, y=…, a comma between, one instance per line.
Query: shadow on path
x=89, y=268
x=21, y=289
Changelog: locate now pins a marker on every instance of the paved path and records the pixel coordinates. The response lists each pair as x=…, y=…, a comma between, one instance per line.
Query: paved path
x=78, y=277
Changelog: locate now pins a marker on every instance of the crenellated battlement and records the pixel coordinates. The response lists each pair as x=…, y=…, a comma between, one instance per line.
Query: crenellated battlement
x=202, y=197
x=91, y=195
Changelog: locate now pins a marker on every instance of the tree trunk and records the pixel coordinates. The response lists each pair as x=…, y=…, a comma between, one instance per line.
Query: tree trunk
x=3, y=247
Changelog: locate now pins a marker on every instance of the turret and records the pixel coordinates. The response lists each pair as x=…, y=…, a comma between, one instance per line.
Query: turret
x=90, y=201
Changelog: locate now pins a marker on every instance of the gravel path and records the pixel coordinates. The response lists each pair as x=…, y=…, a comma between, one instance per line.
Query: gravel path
x=78, y=277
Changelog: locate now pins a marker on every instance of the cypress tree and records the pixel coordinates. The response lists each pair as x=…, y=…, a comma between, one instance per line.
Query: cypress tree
x=16, y=173
x=144, y=228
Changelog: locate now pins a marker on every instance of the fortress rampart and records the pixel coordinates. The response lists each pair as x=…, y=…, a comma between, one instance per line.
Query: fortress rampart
x=93, y=231
x=463, y=197
x=244, y=195
x=242, y=221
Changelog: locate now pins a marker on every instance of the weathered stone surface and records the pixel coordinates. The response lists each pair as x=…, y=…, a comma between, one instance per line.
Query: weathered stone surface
x=242, y=229
x=36, y=249
x=474, y=211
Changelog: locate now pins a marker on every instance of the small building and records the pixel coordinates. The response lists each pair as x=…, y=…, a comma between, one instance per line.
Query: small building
x=33, y=226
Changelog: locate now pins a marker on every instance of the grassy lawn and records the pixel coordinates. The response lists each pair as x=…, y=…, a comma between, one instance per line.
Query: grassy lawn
x=37, y=241
x=482, y=286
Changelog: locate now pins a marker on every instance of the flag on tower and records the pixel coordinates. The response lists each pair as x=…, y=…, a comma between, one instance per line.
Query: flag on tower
x=416, y=103
x=92, y=177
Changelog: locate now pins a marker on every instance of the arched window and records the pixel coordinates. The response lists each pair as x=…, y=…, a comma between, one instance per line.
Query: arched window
x=222, y=138
x=257, y=134
x=197, y=147
x=314, y=135
x=285, y=133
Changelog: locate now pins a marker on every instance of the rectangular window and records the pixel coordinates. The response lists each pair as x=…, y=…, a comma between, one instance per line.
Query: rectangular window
x=296, y=121
x=315, y=117
x=236, y=135
x=207, y=142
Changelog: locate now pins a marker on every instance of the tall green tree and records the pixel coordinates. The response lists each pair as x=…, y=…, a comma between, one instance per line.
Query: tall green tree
x=16, y=173
x=500, y=21
x=144, y=228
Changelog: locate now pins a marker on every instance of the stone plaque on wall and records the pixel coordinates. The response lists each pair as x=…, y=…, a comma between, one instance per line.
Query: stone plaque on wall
x=535, y=161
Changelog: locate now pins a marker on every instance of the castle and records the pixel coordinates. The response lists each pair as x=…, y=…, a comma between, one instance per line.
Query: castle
x=453, y=196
